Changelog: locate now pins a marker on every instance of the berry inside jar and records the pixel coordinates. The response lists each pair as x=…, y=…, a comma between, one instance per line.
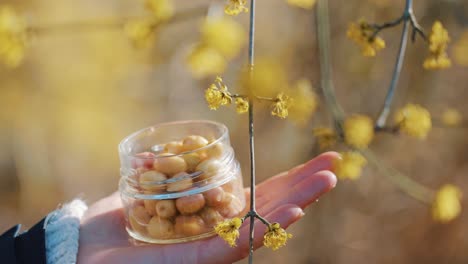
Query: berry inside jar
x=179, y=190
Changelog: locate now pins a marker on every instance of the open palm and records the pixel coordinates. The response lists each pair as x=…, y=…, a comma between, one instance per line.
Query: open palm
x=103, y=238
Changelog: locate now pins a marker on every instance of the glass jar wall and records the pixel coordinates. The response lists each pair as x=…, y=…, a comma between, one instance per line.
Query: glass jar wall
x=178, y=180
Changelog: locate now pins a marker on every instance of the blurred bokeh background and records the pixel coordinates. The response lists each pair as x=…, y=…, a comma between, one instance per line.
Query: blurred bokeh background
x=79, y=92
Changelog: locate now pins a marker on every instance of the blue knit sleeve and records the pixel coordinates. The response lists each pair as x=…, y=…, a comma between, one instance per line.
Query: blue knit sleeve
x=62, y=233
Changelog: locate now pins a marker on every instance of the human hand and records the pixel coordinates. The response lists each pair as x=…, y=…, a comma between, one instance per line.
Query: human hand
x=103, y=238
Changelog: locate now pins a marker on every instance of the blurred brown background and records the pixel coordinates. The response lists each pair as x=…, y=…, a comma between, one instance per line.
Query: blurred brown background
x=77, y=94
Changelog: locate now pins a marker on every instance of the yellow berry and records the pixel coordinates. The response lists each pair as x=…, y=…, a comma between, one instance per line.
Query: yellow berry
x=139, y=218
x=232, y=209
x=209, y=167
x=210, y=216
x=166, y=208
x=231, y=186
x=214, y=197
x=189, y=225
x=192, y=160
x=215, y=151
x=179, y=185
x=173, y=147
x=150, y=206
x=227, y=199
x=194, y=142
x=169, y=164
x=149, y=180
x=190, y=204
x=160, y=228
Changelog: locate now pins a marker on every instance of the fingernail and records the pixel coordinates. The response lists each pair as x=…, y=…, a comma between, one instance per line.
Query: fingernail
x=299, y=212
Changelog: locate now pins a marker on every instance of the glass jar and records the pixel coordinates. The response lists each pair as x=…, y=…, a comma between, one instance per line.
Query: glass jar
x=178, y=180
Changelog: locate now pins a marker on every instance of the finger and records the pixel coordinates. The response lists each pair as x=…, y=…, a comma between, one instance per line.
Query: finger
x=302, y=193
x=288, y=179
x=217, y=251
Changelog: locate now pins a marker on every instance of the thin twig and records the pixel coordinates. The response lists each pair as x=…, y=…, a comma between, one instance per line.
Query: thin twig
x=382, y=119
x=251, y=60
x=408, y=19
x=323, y=36
x=265, y=98
x=263, y=220
x=252, y=180
x=408, y=185
x=379, y=27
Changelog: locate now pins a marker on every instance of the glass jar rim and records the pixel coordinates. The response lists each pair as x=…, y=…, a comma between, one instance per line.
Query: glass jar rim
x=123, y=148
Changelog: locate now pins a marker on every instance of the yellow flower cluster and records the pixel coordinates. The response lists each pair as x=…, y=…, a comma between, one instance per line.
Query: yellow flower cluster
x=451, y=117
x=349, y=166
x=205, y=61
x=142, y=31
x=275, y=236
x=438, y=42
x=460, y=50
x=305, y=4
x=268, y=79
x=358, y=131
x=305, y=102
x=217, y=94
x=281, y=105
x=229, y=230
x=225, y=35
x=13, y=37
x=362, y=34
x=325, y=136
x=235, y=7
x=162, y=10
x=446, y=205
x=221, y=39
x=414, y=120
x=242, y=105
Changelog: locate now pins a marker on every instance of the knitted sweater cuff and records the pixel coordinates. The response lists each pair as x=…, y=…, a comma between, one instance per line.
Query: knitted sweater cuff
x=62, y=232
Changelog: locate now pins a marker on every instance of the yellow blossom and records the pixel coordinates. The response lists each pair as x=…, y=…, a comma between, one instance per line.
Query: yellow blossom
x=305, y=102
x=438, y=42
x=349, y=166
x=217, y=94
x=162, y=9
x=460, y=50
x=242, y=105
x=229, y=230
x=305, y=4
x=446, y=205
x=326, y=137
x=362, y=34
x=281, y=104
x=268, y=79
x=451, y=117
x=437, y=61
x=141, y=32
x=438, y=38
x=13, y=37
x=414, y=120
x=235, y=7
x=275, y=236
x=204, y=61
x=225, y=35
x=358, y=131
